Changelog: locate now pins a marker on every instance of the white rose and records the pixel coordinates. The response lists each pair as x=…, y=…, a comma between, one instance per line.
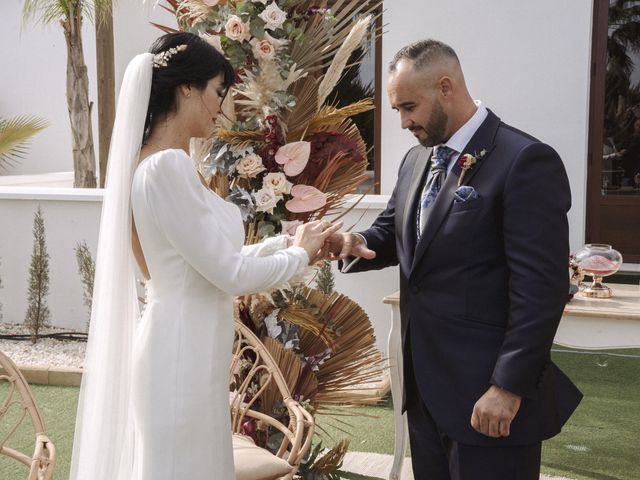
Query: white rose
x=273, y=17
x=250, y=166
x=277, y=182
x=290, y=227
x=266, y=200
x=236, y=29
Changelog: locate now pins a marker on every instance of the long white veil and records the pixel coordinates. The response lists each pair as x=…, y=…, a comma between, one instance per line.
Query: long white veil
x=103, y=442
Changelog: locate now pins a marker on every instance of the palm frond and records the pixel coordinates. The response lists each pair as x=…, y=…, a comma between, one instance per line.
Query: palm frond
x=306, y=93
x=15, y=134
x=355, y=359
x=329, y=116
x=44, y=11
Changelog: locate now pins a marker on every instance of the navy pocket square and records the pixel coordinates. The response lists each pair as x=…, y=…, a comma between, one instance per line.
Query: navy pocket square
x=464, y=194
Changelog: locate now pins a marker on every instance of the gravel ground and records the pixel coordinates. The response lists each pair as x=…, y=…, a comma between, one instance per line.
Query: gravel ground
x=47, y=352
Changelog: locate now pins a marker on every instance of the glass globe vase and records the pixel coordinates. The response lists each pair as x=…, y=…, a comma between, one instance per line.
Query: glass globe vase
x=598, y=260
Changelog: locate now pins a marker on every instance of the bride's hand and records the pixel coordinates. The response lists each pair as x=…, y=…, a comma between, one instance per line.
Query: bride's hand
x=312, y=235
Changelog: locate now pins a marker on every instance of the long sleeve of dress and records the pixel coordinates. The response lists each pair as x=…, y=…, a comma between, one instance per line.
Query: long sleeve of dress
x=267, y=247
x=191, y=224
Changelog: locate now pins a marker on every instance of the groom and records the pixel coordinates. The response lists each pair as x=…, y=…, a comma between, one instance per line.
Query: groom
x=477, y=223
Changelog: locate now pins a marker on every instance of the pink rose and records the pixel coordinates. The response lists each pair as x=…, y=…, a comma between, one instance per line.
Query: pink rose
x=278, y=182
x=266, y=200
x=250, y=166
x=236, y=29
x=263, y=49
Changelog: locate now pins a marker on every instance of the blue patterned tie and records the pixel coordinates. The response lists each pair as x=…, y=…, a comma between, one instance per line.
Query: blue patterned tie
x=439, y=163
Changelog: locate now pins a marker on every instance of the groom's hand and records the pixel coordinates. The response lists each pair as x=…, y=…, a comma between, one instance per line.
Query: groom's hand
x=341, y=245
x=494, y=411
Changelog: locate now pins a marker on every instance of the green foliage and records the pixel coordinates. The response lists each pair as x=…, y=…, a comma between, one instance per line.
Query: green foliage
x=38, y=314
x=14, y=137
x=47, y=11
x=325, y=280
x=87, y=271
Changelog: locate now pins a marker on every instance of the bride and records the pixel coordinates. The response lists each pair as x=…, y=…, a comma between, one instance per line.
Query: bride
x=154, y=397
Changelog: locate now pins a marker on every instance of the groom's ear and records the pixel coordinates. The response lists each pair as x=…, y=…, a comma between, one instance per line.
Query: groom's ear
x=445, y=86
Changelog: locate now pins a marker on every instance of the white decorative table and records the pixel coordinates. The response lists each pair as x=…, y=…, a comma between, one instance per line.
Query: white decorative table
x=587, y=323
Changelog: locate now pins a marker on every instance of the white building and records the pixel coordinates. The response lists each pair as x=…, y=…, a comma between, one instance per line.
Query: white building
x=529, y=62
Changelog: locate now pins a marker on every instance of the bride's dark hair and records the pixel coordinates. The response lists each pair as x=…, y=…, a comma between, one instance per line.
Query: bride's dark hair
x=194, y=65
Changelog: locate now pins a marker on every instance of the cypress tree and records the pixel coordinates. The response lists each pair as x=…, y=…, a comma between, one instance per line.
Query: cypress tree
x=38, y=314
x=87, y=270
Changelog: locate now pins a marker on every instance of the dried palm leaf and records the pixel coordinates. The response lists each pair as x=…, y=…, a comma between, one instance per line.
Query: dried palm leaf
x=239, y=138
x=306, y=93
x=307, y=385
x=355, y=359
x=308, y=322
x=328, y=117
x=219, y=183
x=332, y=460
x=322, y=39
x=335, y=70
x=289, y=364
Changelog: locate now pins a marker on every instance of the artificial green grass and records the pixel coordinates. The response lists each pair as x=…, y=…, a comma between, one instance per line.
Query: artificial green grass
x=58, y=408
x=601, y=441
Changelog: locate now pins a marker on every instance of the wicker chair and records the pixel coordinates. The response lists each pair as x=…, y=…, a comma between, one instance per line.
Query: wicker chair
x=16, y=403
x=256, y=381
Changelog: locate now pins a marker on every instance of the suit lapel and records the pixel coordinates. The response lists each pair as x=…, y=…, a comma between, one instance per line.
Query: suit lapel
x=420, y=169
x=482, y=139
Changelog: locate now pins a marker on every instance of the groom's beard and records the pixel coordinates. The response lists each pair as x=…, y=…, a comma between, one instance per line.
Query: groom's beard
x=433, y=133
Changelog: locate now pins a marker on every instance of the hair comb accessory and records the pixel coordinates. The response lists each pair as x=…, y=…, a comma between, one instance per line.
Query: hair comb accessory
x=161, y=59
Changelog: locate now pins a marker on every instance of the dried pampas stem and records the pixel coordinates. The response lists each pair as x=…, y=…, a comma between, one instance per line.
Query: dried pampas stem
x=353, y=41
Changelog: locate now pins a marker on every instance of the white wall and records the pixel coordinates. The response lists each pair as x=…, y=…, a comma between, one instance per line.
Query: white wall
x=527, y=61
x=73, y=215
x=70, y=216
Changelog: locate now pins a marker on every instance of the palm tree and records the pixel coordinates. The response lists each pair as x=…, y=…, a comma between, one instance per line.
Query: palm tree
x=70, y=14
x=14, y=135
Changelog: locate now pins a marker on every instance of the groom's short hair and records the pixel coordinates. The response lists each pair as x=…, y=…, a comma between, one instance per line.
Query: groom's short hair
x=423, y=53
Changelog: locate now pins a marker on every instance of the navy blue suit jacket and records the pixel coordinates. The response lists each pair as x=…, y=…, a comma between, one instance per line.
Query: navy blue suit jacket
x=482, y=292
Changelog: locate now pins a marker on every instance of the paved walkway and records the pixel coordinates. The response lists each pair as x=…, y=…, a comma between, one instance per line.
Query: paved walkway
x=379, y=465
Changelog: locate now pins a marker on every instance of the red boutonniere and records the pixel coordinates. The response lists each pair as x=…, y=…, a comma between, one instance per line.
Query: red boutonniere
x=467, y=161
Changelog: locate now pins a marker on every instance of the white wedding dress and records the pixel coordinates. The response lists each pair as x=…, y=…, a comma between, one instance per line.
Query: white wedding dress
x=192, y=242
